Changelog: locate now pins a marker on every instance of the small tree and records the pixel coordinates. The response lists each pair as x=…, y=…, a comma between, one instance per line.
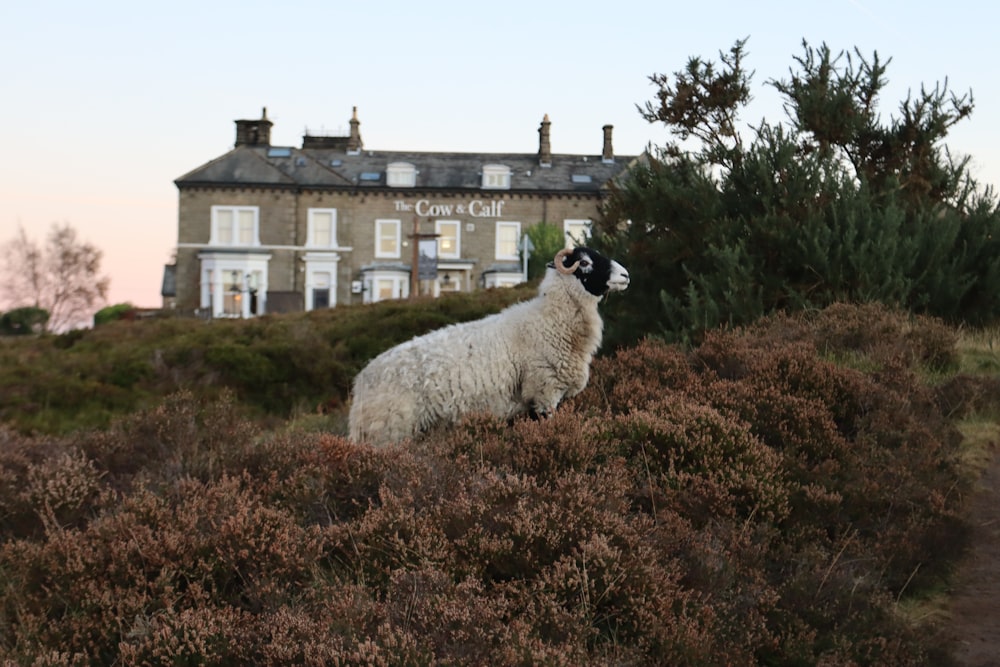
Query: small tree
x=61, y=277
x=547, y=239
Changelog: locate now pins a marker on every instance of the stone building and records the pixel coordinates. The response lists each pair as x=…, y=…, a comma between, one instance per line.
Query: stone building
x=267, y=228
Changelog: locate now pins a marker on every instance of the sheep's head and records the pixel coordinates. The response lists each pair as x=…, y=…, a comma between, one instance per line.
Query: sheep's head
x=597, y=273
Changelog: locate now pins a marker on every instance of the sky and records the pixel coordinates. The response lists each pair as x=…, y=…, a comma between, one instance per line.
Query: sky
x=103, y=104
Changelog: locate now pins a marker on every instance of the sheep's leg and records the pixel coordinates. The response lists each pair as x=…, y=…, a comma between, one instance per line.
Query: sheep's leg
x=543, y=401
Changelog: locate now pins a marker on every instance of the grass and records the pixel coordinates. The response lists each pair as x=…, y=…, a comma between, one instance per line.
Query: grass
x=979, y=349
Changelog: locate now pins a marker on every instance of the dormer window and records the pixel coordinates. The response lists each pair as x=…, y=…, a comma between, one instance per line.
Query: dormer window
x=401, y=175
x=496, y=177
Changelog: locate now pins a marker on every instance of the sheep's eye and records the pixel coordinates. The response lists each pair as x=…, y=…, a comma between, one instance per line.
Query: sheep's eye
x=584, y=262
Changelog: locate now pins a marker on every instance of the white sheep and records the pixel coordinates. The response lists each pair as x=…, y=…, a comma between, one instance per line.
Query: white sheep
x=524, y=359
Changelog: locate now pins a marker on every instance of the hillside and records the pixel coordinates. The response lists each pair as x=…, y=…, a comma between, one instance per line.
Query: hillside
x=275, y=366
x=796, y=492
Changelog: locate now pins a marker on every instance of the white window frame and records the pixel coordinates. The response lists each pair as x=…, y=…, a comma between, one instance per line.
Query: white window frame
x=496, y=177
x=457, y=252
x=217, y=271
x=379, y=235
x=570, y=227
x=311, y=237
x=319, y=263
x=216, y=231
x=400, y=175
x=499, y=279
x=400, y=285
x=517, y=242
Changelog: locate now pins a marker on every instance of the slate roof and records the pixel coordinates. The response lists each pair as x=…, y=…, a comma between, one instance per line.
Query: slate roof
x=330, y=168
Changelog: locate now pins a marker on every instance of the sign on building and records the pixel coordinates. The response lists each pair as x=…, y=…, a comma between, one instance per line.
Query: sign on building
x=427, y=261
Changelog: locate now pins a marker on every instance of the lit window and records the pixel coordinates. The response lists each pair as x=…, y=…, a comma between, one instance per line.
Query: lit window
x=449, y=238
x=386, y=288
x=577, y=232
x=401, y=175
x=232, y=293
x=496, y=177
x=387, y=238
x=508, y=240
x=323, y=227
x=234, y=226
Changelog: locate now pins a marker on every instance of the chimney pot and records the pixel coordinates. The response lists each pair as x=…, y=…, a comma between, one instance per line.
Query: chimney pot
x=608, y=153
x=544, y=146
x=254, y=132
x=354, y=143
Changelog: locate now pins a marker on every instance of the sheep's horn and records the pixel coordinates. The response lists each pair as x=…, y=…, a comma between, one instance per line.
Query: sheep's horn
x=565, y=270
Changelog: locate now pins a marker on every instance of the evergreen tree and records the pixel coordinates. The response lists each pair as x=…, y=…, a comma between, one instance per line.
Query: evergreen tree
x=547, y=240
x=834, y=205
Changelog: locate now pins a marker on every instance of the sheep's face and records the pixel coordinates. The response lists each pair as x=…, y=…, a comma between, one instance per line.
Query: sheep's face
x=597, y=273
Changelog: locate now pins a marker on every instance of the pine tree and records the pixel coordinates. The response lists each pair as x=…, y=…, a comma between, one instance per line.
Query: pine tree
x=833, y=205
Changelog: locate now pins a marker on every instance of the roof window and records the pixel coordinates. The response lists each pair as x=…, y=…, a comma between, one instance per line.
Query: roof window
x=401, y=175
x=496, y=177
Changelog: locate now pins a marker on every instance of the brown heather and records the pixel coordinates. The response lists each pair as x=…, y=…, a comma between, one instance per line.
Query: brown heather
x=764, y=499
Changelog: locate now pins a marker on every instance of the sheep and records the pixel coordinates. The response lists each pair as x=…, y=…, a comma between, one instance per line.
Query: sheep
x=523, y=360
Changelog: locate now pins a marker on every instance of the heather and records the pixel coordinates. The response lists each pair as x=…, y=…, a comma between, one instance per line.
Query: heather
x=276, y=366
x=777, y=495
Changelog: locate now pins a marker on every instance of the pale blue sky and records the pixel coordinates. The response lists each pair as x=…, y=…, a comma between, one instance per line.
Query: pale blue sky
x=103, y=104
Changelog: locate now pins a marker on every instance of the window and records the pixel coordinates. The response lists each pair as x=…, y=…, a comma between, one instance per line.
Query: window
x=234, y=226
x=508, y=240
x=577, y=232
x=387, y=238
x=385, y=288
x=320, y=290
x=401, y=175
x=234, y=284
x=322, y=228
x=449, y=238
x=232, y=293
x=496, y=177
x=382, y=284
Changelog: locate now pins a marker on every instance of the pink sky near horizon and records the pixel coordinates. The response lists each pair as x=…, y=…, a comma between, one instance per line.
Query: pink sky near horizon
x=104, y=104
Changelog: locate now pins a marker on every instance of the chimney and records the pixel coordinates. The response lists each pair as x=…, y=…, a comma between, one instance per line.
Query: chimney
x=254, y=132
x=608, y=154
x=354, y=143
x=544, y=148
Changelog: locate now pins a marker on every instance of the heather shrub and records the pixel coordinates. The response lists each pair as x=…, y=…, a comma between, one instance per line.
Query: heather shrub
x=152, y=557
x=700, y=463
x=635, y=376
x=762, y=499
x=181, y=437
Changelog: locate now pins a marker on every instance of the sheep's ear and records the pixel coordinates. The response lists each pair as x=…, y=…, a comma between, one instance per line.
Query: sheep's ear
x=550, y=265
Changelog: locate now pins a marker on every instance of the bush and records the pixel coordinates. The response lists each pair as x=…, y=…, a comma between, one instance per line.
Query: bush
x=750, y=501
x=23, y=321
x=119, y=311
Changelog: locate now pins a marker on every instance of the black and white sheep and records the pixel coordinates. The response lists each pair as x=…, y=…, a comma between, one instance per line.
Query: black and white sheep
x=525, y=359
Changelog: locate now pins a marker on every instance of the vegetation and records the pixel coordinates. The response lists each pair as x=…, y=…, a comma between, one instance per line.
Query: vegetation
x=547, y=239
x=776, y=495
x=277, y=367
x=23, y=321
x=113, y=313
x=61, y=277
x=836, y=205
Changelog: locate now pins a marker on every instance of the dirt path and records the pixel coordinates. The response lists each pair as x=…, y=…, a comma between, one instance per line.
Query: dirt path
x=975, y=603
